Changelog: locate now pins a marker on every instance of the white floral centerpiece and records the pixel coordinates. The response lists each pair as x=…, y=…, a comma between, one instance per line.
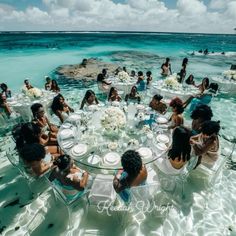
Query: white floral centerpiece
x=113, y=119
x=230, y=74
x=123, y=76
x=172, y=82
x=33, y=92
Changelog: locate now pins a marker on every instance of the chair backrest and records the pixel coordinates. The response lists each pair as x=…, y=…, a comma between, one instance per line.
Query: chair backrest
x=102, y=189
x=61, y=196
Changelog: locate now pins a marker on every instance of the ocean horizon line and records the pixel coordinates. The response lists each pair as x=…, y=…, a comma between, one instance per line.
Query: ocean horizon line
x=96, y=31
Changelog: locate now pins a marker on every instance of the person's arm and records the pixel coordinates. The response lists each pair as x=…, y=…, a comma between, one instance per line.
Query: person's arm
x=177, y=122
x=59, y=114
x=96, y=100
x=170, y=69
x=203, y=148
x=70, y=109
x=105, y=82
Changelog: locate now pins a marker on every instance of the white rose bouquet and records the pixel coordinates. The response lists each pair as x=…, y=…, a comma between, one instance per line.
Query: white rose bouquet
x=113, y=119
x=123, y=76
x=171, y=81
x=230, y=74
x=34, y=92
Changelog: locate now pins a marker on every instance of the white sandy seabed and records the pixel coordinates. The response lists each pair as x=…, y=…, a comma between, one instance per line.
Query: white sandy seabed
x=202, y=210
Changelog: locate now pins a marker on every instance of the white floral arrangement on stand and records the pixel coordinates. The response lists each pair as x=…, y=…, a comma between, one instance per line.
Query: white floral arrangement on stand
x=230, y=74
x=123, y=76
x=33, y=92
x=113, y=119
x=172, y=82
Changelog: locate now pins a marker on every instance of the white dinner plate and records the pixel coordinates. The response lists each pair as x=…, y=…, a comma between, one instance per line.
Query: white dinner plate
x=111, y=158
x=162, y=120
x=161, y=146
x=66, y=133
x=79, y=149
x=145, y=152
x=162, y=138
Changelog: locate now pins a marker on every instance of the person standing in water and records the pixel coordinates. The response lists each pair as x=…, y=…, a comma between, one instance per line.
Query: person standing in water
x=166, y=67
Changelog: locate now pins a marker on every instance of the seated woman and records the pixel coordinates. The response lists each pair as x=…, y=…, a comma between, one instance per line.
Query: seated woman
x=48, y=129
x=60, y=108
x=157, y=105
x=206, y=145
x=199, y=115
x=113, y=95
x=48, y=83
x=176, y=118
x=5, y=91
x=149, y=78
x=4, y=107
x=140, y=82
x=179, y=153
x=89, y=99
x=54, y=86
x=190, y=80
x=72, y=180
x=31, y=133
x=133, y=95
x=202, y=98
x=204, y=85
x=33, y=155
x=133, y=174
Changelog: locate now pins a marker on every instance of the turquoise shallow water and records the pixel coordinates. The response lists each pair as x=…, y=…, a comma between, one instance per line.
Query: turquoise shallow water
x=204, y=211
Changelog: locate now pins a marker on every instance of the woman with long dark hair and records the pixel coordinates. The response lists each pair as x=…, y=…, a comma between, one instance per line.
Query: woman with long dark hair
x=89, y=99
x=60, y=108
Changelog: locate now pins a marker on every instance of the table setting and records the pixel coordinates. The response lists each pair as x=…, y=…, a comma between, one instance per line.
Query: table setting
x=99, y=138
x=20, y=103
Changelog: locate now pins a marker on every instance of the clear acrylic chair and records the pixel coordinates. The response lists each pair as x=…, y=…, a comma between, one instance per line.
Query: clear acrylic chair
x=102, y=190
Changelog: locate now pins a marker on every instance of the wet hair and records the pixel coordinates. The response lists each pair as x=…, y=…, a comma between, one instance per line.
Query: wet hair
x=210, y=127
x=185, y=61
x=132, y=163
x=167, y=59
x=178, y=104
x=4, y=87
x=26, y=133
x=140, y=73
x=62, y=162
x=181, y=147
x=33, y=152
x=188, y=80
x=213, y=87
x=56, y=105
x=35, y=107
x=26, y=80
x=47, y=78
x=149, y=73
x=124, y=69
x=157, y=97
x=202, y=111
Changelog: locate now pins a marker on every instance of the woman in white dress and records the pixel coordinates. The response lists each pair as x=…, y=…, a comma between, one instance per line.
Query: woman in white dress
x=89, y=99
